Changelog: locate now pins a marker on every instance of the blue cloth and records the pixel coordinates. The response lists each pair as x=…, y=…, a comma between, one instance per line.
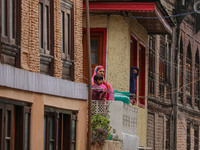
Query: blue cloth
x=133, y=78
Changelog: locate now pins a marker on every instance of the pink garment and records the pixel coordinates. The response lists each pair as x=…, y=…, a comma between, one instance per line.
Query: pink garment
x=107, y=87
x=98, y=92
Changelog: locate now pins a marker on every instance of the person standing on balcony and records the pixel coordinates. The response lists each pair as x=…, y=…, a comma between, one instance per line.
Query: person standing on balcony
x=108, y=87
x=133, y=78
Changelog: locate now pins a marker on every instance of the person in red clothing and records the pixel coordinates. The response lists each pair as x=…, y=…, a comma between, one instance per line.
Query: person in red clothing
x=107, y=87
x=98, y=92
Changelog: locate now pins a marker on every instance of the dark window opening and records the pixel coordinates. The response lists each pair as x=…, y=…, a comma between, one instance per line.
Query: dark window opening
x=196, y=137
x=196, y=83
x=151, y=64
x=181, y=72
x=14, y=126
x=67, y=40
x=189, y=75
x=59, y=130
x=188, y=136
x=46, y=36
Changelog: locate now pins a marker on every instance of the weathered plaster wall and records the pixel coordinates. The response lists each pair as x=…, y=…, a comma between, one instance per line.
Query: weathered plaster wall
x=118, y=56
x=38, y=102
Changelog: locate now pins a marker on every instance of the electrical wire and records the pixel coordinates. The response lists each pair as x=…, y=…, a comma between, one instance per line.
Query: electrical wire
x=163, y=17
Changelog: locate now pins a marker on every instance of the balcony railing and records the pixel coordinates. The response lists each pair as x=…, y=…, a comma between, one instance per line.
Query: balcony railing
x=123, y=117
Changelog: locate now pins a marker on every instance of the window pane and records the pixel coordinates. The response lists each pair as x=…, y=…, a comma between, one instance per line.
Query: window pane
x=94, y=51
x=73, y=130
x=46, y=28
x=4, y=17
x=45, y=125
x=67, y=34
x=8, y=121
x=94, y=58
x=40, y=26
x=72, y=146
x=51, y=128
x=62, y=32
x=26, y=138
x=51, y=145
x=7, y=146
x=12, y=18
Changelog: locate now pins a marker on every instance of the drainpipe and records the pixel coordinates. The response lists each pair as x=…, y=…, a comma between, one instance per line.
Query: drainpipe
x=89, y=75
x=108, y=23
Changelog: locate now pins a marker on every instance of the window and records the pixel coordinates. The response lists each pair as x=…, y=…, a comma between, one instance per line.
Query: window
x=15, y=126
x=59, y=130
x=188, y=136
x=45, y=36
x=151, y=63
x=168, y=68
x=196, y=83
x=10, y=29
x=67, y=39
x=181, y=72
x=162, y=66
x=189, y=75
x=196, y=137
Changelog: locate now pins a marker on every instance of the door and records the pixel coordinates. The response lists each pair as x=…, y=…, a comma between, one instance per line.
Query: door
x=96, y=40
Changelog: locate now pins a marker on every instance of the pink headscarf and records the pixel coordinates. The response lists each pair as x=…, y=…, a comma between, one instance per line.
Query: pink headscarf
x=106, y=86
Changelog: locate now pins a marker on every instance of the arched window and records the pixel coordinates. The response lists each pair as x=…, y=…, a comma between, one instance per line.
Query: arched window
x=189, y=74
x=151, y=63
x=181, y=71
x=197, y=75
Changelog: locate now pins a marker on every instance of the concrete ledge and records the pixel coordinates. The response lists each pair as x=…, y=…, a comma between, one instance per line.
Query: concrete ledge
x=108, y=145
x=34, y=82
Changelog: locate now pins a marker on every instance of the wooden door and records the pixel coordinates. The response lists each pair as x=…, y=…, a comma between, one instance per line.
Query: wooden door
x=96, y=41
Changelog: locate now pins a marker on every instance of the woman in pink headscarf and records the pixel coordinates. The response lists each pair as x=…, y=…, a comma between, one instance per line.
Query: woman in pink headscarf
x=106, y=86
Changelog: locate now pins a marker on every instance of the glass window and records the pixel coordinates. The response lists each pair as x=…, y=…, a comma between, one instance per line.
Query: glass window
x=15, y=126
x=44, y=26
x=62, y=130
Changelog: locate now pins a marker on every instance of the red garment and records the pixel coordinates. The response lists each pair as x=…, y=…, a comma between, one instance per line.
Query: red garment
x=107, y=87
x=98, y=92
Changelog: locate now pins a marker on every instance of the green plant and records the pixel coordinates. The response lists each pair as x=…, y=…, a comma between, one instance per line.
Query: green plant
x=100, y=128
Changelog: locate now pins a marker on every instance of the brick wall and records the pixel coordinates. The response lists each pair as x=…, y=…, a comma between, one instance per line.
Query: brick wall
x=30, y=56
x=78, y=46
x=156, y=129
x=151, y=130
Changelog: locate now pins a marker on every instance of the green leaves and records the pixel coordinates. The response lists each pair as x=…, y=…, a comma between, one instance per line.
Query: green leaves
x=100, y=128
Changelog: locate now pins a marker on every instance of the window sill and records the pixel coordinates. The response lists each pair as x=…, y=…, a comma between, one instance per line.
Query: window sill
x=9, y=53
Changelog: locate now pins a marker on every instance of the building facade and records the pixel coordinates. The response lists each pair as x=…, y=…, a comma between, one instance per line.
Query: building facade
x=119, y=41
x=173, y=103
x=43, y=102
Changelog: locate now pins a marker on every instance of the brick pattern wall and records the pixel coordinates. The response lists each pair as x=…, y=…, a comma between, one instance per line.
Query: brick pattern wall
x=57, y=41
x=78, y=46
x=30, y=56
x=156, y=129
x=151, y=130
x=159, y=133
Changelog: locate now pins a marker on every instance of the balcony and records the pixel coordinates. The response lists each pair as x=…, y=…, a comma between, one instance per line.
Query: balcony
x=123, y=118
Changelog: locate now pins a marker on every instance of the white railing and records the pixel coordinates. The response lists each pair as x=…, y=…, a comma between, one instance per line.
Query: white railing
x=123, y=117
